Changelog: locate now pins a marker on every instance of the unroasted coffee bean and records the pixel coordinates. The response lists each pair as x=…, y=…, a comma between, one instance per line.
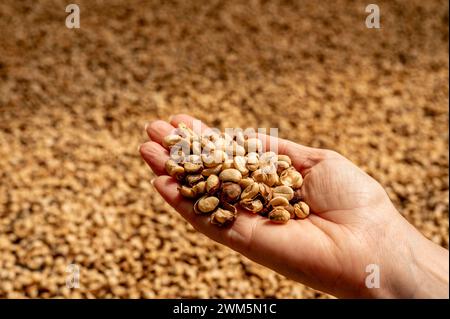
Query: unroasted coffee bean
x=192, y=168
x=224, y=215
x=292, y=178
x=170, y=140
x=206, y=204
x=283, y=191
x=250, y=191
x=212, y=184
x=239, y=163
x=279, y=201
x=252, y=161
x=191, y=180
x=174, y=170
x=230, y=175
x=187, y=191
x=245, y=182
x=252, y=205
x=230, y=192
x=212, y=170
x=284, y=158
x=279, y=215
x=301, y=210
x=199, y=188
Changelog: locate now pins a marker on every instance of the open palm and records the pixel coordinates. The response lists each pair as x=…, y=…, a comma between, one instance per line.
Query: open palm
x=328, y=251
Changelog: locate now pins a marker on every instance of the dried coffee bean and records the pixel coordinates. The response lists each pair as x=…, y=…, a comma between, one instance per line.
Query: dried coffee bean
x=284, y=158
x=225, y=215
x=245, y=182
x=212, y=184
x=230, y=175
x=265, y=192
x=279, y=215
x=212, y=170
x=279, y=201
x=192, y=168
x=252, y=205
x=191, y=180
x=250, y=191
x=171, y=140
x=199, y=188
x=259, y=176
x=174, y=170
x=206, y=204
x=230, y=192
x=281, y=166
x=187, y=191
x=253, y=145
x=283, y=191
x=292, y=178
x=252, y=161
x=239, y=163
x=227, y=164
x=301, y=210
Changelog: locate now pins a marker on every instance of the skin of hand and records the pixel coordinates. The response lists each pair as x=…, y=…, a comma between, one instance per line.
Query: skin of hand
x=353, y=224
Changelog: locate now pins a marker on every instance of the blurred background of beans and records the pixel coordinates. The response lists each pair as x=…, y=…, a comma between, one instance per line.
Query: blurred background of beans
x=73, y=104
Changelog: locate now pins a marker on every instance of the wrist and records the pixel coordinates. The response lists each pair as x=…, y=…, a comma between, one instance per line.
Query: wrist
x=416, y=267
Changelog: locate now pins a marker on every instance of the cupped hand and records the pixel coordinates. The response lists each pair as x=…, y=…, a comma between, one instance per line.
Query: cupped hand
x=352, y=229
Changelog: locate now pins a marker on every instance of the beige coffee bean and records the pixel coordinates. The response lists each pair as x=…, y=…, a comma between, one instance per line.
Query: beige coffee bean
x=285, y=158
x=206, y=204
x=279, y=215
x=250, y=191
x=252, y=205
x=283, y=191
x=281, y=167
x=212, y=184
x=265, y=192
x=253, y=145
x=191, y=180
x=214, y=158
x=222, y=217
x=174, y=170
x=192, y=168
x=212, y=170
x=230, y=192
x=230, y=175
x=199, y=188
x=227, y=164
x=301, y=210
x=239, y=163
x=291, y=178
x=259, y=176
x=171, y=140
x=237, y=150
x=252, y=161
x=186, y=191
x=279, y=201
x=272, y=179
x=245, y=182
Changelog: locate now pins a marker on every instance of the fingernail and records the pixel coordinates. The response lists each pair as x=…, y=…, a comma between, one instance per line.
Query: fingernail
x=152, y=181
x=146, y=126
x=139, y=147
x=171, y=118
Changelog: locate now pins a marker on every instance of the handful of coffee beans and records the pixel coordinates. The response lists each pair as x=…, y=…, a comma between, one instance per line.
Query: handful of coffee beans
x=220, y=172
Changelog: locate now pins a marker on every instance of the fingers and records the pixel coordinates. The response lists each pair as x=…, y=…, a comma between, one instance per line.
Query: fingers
x=196, y=125
x=303, y=157
x=157, y=130
x=155, y=156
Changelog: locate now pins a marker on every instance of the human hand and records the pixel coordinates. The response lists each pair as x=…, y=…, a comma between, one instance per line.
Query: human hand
x=353, y=224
